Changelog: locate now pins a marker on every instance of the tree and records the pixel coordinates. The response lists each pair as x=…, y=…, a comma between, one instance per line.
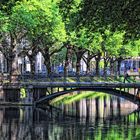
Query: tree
x=128, y=50
x=111, y=45
x=11, y=36
x=80, y=41
x=6, y=5
x=95, y=48
x=118, y=14
x=43, y=23
x=70, y=13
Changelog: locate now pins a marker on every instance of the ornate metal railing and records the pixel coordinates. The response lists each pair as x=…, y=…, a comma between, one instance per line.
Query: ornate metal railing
x=68, y=78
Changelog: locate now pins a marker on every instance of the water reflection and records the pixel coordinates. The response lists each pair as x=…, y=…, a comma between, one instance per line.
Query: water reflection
x=97, y=106
x=102, y=118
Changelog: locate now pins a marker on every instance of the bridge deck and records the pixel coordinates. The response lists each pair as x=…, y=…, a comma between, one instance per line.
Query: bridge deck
x=69, y=85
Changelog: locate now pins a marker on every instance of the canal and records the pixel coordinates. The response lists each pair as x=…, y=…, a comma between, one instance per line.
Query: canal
x=91, y=116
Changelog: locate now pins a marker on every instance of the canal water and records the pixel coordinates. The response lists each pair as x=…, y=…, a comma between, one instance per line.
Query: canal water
x=73, y=117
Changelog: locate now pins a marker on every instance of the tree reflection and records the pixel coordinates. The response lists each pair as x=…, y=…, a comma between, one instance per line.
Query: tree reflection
x=50, y=123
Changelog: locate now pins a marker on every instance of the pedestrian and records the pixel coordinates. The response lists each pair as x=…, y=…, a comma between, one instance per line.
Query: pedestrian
x=126, y=76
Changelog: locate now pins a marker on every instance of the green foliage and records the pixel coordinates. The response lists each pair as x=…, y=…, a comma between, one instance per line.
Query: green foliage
x=118, y=14
x=23, y=93
x=113, y=42
x=130, y=49
x=136, y=48
x=4, y=22
x=80, y=38
x=40, y=19
x=6, y=5
x=96, y=41
x=70, y=13
x=91, y=25
x=59, y=57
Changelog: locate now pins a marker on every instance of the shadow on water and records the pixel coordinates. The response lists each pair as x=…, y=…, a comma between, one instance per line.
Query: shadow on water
x=103, y=118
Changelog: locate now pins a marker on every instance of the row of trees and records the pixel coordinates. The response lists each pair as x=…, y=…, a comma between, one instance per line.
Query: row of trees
x=108, y=31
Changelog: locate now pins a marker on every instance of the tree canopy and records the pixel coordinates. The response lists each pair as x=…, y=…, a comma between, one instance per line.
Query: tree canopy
x=118, y=14
x=107, y=29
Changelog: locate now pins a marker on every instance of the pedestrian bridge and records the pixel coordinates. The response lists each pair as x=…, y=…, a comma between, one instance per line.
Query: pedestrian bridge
x=115, y=88
x=132, y=98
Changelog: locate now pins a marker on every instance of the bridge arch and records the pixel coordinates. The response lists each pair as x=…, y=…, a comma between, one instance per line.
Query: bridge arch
x=132, y=98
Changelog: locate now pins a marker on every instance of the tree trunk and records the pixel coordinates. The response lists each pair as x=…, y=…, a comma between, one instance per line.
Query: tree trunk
x=87, y=61
x=48, y=65
x=32, y=62
x=79, y=53
x=67, y=60
x=13, y=61
x=88, y=66
x=47, y=61
x=9, y=66
x=118, y=66
x=111, y=67
x=6, y=66
x=105, y=67
x=97, y=58
x=24, y=65
x=14, y=70
x=78, y=65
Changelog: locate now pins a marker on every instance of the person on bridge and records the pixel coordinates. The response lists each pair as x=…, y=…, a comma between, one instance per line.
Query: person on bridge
x=126, y=77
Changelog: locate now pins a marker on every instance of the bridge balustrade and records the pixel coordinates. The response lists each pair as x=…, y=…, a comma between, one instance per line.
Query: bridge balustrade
x=69, y=78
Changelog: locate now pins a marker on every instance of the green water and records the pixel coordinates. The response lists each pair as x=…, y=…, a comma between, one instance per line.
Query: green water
x=95, y=118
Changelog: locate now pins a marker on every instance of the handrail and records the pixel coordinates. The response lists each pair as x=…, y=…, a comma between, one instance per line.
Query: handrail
x=59, y=77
